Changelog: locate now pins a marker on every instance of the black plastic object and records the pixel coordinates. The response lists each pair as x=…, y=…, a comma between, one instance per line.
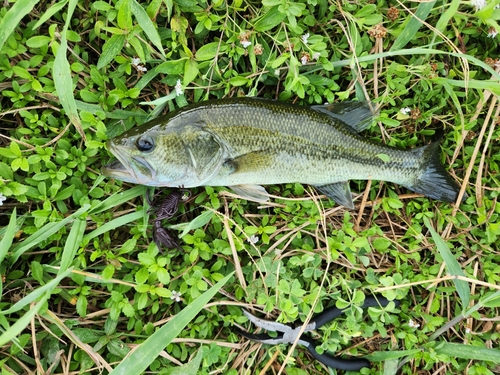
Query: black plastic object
x=289, y=335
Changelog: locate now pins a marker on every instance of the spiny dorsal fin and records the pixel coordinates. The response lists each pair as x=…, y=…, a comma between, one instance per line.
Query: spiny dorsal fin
x=357, y=115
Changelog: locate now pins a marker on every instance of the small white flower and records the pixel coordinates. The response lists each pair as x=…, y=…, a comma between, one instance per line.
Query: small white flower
x=277, y=72
x=413, y=324
x=253, y=239
x=316, y=56
x=178, y=88
x=304, y=38
x=479, y=4
x=492, y=33
x=467, y=330
x=176, y=296
x=405, y=111
x=2, y=199
x=136, y=62
x=304, y=59
x=245, y=43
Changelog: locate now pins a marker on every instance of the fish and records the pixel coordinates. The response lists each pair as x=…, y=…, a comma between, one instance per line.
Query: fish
x=244, y=143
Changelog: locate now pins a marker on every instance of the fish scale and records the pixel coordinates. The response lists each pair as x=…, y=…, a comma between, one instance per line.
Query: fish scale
x=244, y=143
x=355, y=159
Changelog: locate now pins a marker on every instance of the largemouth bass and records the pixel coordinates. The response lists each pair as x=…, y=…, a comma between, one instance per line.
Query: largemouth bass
x=243, y=143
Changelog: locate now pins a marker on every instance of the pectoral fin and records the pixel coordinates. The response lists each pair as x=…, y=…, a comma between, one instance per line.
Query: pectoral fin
x=255, y=193
x=253, y=161
x=340, y=192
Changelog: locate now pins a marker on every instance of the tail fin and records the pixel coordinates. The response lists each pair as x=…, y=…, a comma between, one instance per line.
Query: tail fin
x=434, y=181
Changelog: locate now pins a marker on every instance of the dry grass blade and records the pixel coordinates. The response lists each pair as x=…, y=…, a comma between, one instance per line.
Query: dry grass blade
x=434, y=282
x=96, y=357
x=141, y=358
x=230, y=238
x=479, y=179
x=474, y=155
x=323, y=229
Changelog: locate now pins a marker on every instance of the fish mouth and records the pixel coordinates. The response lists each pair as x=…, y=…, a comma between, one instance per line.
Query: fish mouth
x=122, y=169
x=115, y=166
x=115, y=169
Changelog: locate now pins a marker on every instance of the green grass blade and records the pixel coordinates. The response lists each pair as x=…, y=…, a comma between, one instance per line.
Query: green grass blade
x=196, y=223
x=391, y=367
x=11, y=333
x=113, y=224
x=162, y=100
x=19, y=224
x=452, y=266
x=72, y=244
x=190, y=368
x=118, y=114
x=43, y=233
x=118, y=198
x=472, y=352
x=146, y=78
x=147, y=352
x=391, y=354
x=110, y=49
x=147, y=26
x=46, y=289
x=486, y=301
x=492, y=23
x=490, y=85
x=6, y=241
x=413, y=25
x=14, y=15
x=415, y=51
x=454, y=98
x=49, y=13
x=20, y=325
x=445, y=18
x=62, y=74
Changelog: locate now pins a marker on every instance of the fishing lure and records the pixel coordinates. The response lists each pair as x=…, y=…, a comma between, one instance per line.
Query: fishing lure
x=165, y=209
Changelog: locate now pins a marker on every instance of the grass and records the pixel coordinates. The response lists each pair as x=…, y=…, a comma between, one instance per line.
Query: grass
x=84, y=288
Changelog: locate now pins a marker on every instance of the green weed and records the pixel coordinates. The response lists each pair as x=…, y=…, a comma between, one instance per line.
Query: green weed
x=85, y=289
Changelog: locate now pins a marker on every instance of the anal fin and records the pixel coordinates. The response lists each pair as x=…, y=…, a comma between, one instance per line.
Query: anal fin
x=340, y=192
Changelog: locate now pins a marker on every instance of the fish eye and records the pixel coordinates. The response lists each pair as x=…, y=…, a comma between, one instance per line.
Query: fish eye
x=145, y=143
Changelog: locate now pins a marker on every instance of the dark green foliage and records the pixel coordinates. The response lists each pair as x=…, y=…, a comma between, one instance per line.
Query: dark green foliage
x=77, y=260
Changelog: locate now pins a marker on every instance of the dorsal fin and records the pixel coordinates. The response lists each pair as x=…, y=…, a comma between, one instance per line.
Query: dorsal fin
x=357, y=115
